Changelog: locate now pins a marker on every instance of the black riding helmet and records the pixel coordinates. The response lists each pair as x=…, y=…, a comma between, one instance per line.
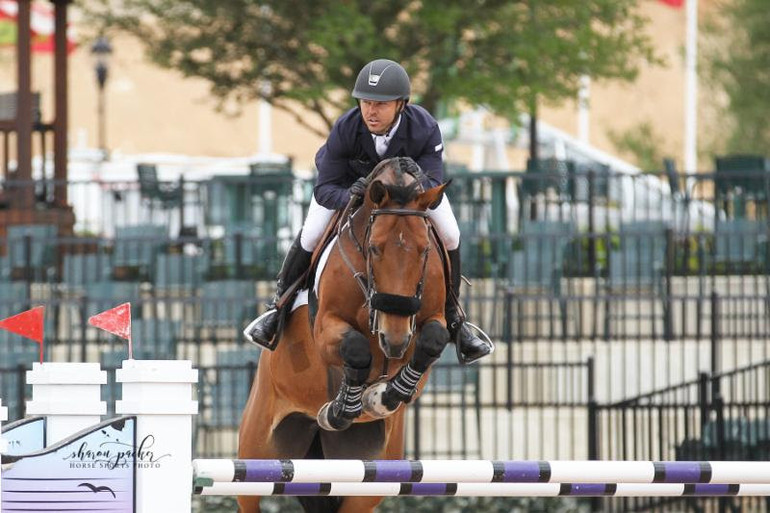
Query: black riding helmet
x=382, y=80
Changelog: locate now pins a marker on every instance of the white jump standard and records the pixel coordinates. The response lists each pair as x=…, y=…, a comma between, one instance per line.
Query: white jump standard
x=156, y=398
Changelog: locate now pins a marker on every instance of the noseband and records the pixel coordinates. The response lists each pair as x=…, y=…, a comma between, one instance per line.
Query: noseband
x=380, y=301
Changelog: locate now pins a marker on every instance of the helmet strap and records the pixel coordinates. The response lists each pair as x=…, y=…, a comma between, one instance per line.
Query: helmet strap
x=395, y=120
x=397, y=116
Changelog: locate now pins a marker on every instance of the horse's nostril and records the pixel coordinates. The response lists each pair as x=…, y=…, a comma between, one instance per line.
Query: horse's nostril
x=384, y=344
x=393, y=349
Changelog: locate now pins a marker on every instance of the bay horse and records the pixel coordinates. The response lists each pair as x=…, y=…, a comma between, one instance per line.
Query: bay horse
x=334, y=389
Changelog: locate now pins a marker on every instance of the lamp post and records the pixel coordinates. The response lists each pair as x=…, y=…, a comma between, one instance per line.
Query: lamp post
x=101, y=51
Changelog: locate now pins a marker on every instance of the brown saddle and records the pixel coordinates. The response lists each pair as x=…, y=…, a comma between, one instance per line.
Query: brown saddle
x=285, y=301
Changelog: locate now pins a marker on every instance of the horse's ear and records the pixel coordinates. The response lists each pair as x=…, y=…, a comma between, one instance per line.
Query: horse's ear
x=432, y=197
x=378, y=193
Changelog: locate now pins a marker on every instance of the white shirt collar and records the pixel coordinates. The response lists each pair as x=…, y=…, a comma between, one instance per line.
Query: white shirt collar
x=381, y=142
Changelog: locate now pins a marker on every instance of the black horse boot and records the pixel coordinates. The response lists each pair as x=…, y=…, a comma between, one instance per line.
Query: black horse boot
x=261, y=330
x=470, y=347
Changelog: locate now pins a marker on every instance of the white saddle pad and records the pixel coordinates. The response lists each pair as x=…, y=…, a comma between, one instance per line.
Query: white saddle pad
x=301, y=298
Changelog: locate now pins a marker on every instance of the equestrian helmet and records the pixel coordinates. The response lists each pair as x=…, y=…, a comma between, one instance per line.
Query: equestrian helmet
x=382, y=80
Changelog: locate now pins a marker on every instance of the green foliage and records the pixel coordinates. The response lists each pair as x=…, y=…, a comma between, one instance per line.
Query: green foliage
x=642, y=143
x=499, y=53
x=738, y=62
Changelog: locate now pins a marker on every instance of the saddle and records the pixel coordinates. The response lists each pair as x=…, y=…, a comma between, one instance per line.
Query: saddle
x=304, y=281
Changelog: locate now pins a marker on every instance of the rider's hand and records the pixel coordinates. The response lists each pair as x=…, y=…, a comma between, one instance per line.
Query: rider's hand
x=359, y=187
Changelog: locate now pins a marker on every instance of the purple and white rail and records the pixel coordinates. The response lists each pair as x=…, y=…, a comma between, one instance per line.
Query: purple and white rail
x=481, y=471
x=487, y=489
x=481, y=478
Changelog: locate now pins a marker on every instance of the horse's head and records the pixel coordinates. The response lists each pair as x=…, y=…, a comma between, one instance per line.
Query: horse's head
x=397, y=249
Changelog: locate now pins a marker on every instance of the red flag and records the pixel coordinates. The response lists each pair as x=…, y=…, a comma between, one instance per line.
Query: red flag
x=116, y=321
x=28, y=324
x=673, y=3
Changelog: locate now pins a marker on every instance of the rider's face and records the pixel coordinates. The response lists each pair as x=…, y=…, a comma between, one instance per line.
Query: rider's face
x=379, y=116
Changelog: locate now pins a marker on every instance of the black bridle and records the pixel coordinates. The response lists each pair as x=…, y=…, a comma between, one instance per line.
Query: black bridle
x=379, y=301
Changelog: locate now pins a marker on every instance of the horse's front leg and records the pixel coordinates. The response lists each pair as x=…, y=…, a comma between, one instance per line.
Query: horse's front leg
x=382, y=399
x=339, y=413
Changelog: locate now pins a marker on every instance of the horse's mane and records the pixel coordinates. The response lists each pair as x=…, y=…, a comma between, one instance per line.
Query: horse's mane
x=403, y=194
x=399, y=189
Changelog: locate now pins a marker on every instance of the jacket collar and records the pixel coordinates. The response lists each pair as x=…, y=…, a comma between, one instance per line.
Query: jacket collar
x=398, y=140
x=367, y=142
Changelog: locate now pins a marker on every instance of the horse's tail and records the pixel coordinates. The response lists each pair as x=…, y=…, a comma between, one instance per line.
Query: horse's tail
x=319, y=504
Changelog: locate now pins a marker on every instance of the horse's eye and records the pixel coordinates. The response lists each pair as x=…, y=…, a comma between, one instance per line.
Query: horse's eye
x=374, y=250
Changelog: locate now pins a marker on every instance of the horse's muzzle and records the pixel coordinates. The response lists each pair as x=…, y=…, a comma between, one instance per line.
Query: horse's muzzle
x=394, y=348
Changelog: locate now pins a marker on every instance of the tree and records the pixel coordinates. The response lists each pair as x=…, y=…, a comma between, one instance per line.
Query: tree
x=641, y=143
x=738, y=61
x=504, y=54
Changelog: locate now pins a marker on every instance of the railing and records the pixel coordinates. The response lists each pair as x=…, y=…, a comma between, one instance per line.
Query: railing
x=502, y=408
x=487, y=204
x=623, y=268
x=720, y=416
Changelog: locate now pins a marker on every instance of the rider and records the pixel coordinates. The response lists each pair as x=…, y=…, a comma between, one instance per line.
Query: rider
x=384, y=125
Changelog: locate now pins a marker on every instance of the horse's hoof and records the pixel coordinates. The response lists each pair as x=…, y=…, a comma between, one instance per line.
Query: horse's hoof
x=374, y=401
x=329, y=422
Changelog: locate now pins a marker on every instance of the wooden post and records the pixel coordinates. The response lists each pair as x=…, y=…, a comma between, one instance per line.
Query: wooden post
x=61, y=108
x=24, y=108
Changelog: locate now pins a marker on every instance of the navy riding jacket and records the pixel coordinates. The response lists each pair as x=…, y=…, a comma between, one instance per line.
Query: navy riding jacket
x=349, y=153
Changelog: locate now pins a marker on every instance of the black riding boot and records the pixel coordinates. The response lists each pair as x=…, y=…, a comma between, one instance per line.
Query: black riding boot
x=469, y=346
x=262, y=329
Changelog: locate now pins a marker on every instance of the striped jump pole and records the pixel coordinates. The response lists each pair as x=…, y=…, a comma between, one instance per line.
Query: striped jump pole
x=378, y=489
x=209, y=471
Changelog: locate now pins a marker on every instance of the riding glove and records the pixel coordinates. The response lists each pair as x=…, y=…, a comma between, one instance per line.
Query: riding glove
x=359, y=187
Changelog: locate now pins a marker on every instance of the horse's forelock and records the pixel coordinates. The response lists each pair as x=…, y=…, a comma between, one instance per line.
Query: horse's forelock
x=401, y=176
x=397, y=171
x=403, y=194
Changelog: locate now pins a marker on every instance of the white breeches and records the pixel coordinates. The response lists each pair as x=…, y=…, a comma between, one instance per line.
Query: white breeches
x=318, y=217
